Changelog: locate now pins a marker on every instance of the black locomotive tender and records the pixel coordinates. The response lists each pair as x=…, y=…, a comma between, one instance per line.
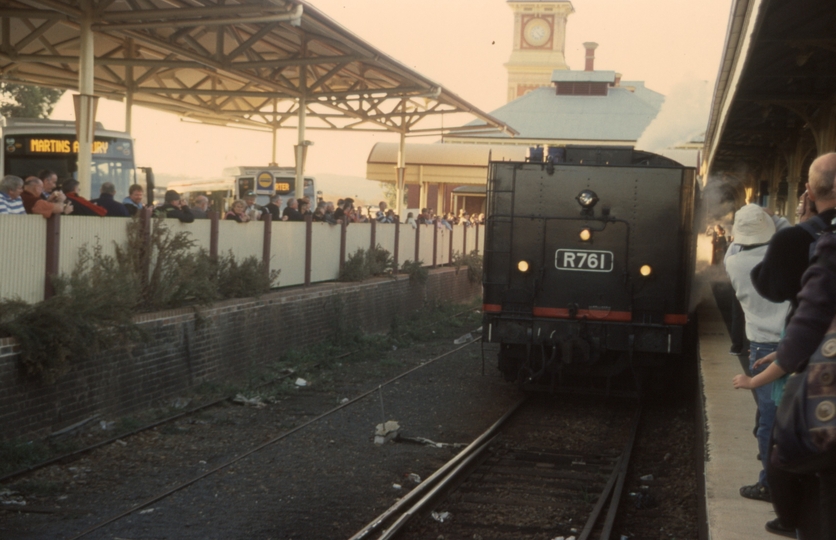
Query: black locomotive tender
x=588, y=262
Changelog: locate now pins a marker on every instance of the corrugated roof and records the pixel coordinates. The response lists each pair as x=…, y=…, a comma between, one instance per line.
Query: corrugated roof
x=622, y=115
x=565, y=75
x=465, y=155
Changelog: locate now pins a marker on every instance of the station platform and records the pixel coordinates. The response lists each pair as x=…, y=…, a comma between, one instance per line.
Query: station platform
x=731, y=449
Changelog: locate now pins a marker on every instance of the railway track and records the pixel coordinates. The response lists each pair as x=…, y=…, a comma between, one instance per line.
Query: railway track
x=68, y=457
x=518, y=480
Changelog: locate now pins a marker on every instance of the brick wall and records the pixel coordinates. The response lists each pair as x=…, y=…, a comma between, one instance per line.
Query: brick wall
x=224, y=340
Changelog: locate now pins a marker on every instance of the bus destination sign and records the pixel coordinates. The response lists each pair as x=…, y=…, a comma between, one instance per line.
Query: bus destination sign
x=51, y=144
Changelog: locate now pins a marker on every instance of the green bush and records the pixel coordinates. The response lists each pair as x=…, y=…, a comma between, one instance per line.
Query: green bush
x=364, y=264
x=473, y=262
x=92, y=310
x=416, y=271
x=93, y=306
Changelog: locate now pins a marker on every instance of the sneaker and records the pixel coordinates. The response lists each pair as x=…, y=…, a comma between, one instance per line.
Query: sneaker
x=776, y=527
x=757, y=491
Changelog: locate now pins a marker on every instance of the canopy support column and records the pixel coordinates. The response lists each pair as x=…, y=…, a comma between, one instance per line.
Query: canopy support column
x=273, y=162
x=301, y=148
x=85, y=102
x=129, y=86
x=401, y=176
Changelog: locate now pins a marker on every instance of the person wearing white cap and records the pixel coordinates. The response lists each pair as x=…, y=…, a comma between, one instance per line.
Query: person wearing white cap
x=752, y=230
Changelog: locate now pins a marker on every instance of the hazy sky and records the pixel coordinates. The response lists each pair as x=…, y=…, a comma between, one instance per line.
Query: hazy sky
x=672, y=45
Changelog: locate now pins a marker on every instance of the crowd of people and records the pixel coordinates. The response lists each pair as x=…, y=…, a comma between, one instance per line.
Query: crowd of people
x=41, y=195
x=344, y=211
x=784, y=278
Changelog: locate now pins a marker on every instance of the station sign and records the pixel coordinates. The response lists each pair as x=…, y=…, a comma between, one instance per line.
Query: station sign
x=265, y=183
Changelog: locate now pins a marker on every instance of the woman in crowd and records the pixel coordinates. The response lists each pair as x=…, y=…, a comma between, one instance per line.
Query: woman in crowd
x=238, y=212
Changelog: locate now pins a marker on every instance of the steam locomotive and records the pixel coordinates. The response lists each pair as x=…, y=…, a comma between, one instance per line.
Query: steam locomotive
x=589, y=255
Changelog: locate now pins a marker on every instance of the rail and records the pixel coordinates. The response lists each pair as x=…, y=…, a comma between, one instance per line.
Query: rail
x=34, y=248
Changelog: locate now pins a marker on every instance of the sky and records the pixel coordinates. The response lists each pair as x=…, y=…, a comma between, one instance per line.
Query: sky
x=673, y=45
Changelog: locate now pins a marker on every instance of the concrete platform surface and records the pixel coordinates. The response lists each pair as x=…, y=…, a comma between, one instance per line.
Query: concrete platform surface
x=731, y=448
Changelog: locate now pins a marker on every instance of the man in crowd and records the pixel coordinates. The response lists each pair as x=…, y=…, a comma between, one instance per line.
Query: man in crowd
x=50, y=181
x=380, y=216
x=133, y=202
x=106, y=201
x=343, y=211
x=752, y=230
x=275, y=208
x=81, y=206
x=33, y=203
x=304, y=207
x=319, y=213
x=778, y=277
x=174, y=209
x=201, y=206
x=10, y=189
x=291, y=211
x=253, y=210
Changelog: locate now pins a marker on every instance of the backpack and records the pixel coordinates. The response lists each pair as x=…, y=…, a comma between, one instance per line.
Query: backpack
x=816, y=226
x=804, y=433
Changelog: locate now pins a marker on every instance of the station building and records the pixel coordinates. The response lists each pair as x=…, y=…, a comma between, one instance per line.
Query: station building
x=549, y=105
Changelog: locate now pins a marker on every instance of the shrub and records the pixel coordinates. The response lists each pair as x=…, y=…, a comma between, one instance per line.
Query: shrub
x=92, y=310
x=416, y=270
x=250, y=277
x=364, y=264
x=93, y=306
x=473, y=262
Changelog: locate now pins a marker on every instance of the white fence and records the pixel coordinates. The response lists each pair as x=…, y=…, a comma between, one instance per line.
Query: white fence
x=304, y=252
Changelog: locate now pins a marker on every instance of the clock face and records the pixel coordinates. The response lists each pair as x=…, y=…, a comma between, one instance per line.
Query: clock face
x=537, y=32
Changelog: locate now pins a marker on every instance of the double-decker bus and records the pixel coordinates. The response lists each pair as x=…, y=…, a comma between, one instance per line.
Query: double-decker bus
x=31, y=145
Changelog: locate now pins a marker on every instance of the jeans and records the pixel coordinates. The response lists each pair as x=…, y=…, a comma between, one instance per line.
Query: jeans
x=766, y=407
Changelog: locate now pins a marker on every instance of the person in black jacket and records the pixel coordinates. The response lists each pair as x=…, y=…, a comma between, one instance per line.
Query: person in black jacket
x=778, y=277
x=291, y=211
x=106, y=201
x=173, y=209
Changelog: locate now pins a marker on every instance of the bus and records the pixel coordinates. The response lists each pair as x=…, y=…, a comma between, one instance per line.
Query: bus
x=238, y=181
x=31, y=145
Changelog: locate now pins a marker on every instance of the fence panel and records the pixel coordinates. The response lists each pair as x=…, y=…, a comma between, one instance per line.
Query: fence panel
x=480, y=245
x=242, y=239
x=287, y=251
x=325, y=252
x=385, y=236
x=23, y=262
x=357, y=236
x=458, y=239
x=425, y=252
x=406, y=244
x=89, y=231
x=444, y=246
x=200, y=231
x=471, y=239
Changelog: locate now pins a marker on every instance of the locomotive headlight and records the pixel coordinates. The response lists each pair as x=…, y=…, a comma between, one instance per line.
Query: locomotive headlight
x=646, y=270
x=585, y=235
x=587, y=198
x=522, y=266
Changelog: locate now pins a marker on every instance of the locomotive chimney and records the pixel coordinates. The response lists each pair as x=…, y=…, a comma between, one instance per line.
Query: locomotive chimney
x=617, y=79
x=590, y=47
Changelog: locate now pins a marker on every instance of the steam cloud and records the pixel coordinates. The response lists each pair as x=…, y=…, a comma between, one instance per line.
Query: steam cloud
x=683, y=116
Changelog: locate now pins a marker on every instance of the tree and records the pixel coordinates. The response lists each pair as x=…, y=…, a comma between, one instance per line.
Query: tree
x=390, y=193
x=24, y=101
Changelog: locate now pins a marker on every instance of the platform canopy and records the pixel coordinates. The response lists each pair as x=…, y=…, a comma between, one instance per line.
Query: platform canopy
x=774, y=106
x=236, y=62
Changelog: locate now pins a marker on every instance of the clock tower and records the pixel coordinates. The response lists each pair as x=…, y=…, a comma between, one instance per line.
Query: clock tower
x=539, y=43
